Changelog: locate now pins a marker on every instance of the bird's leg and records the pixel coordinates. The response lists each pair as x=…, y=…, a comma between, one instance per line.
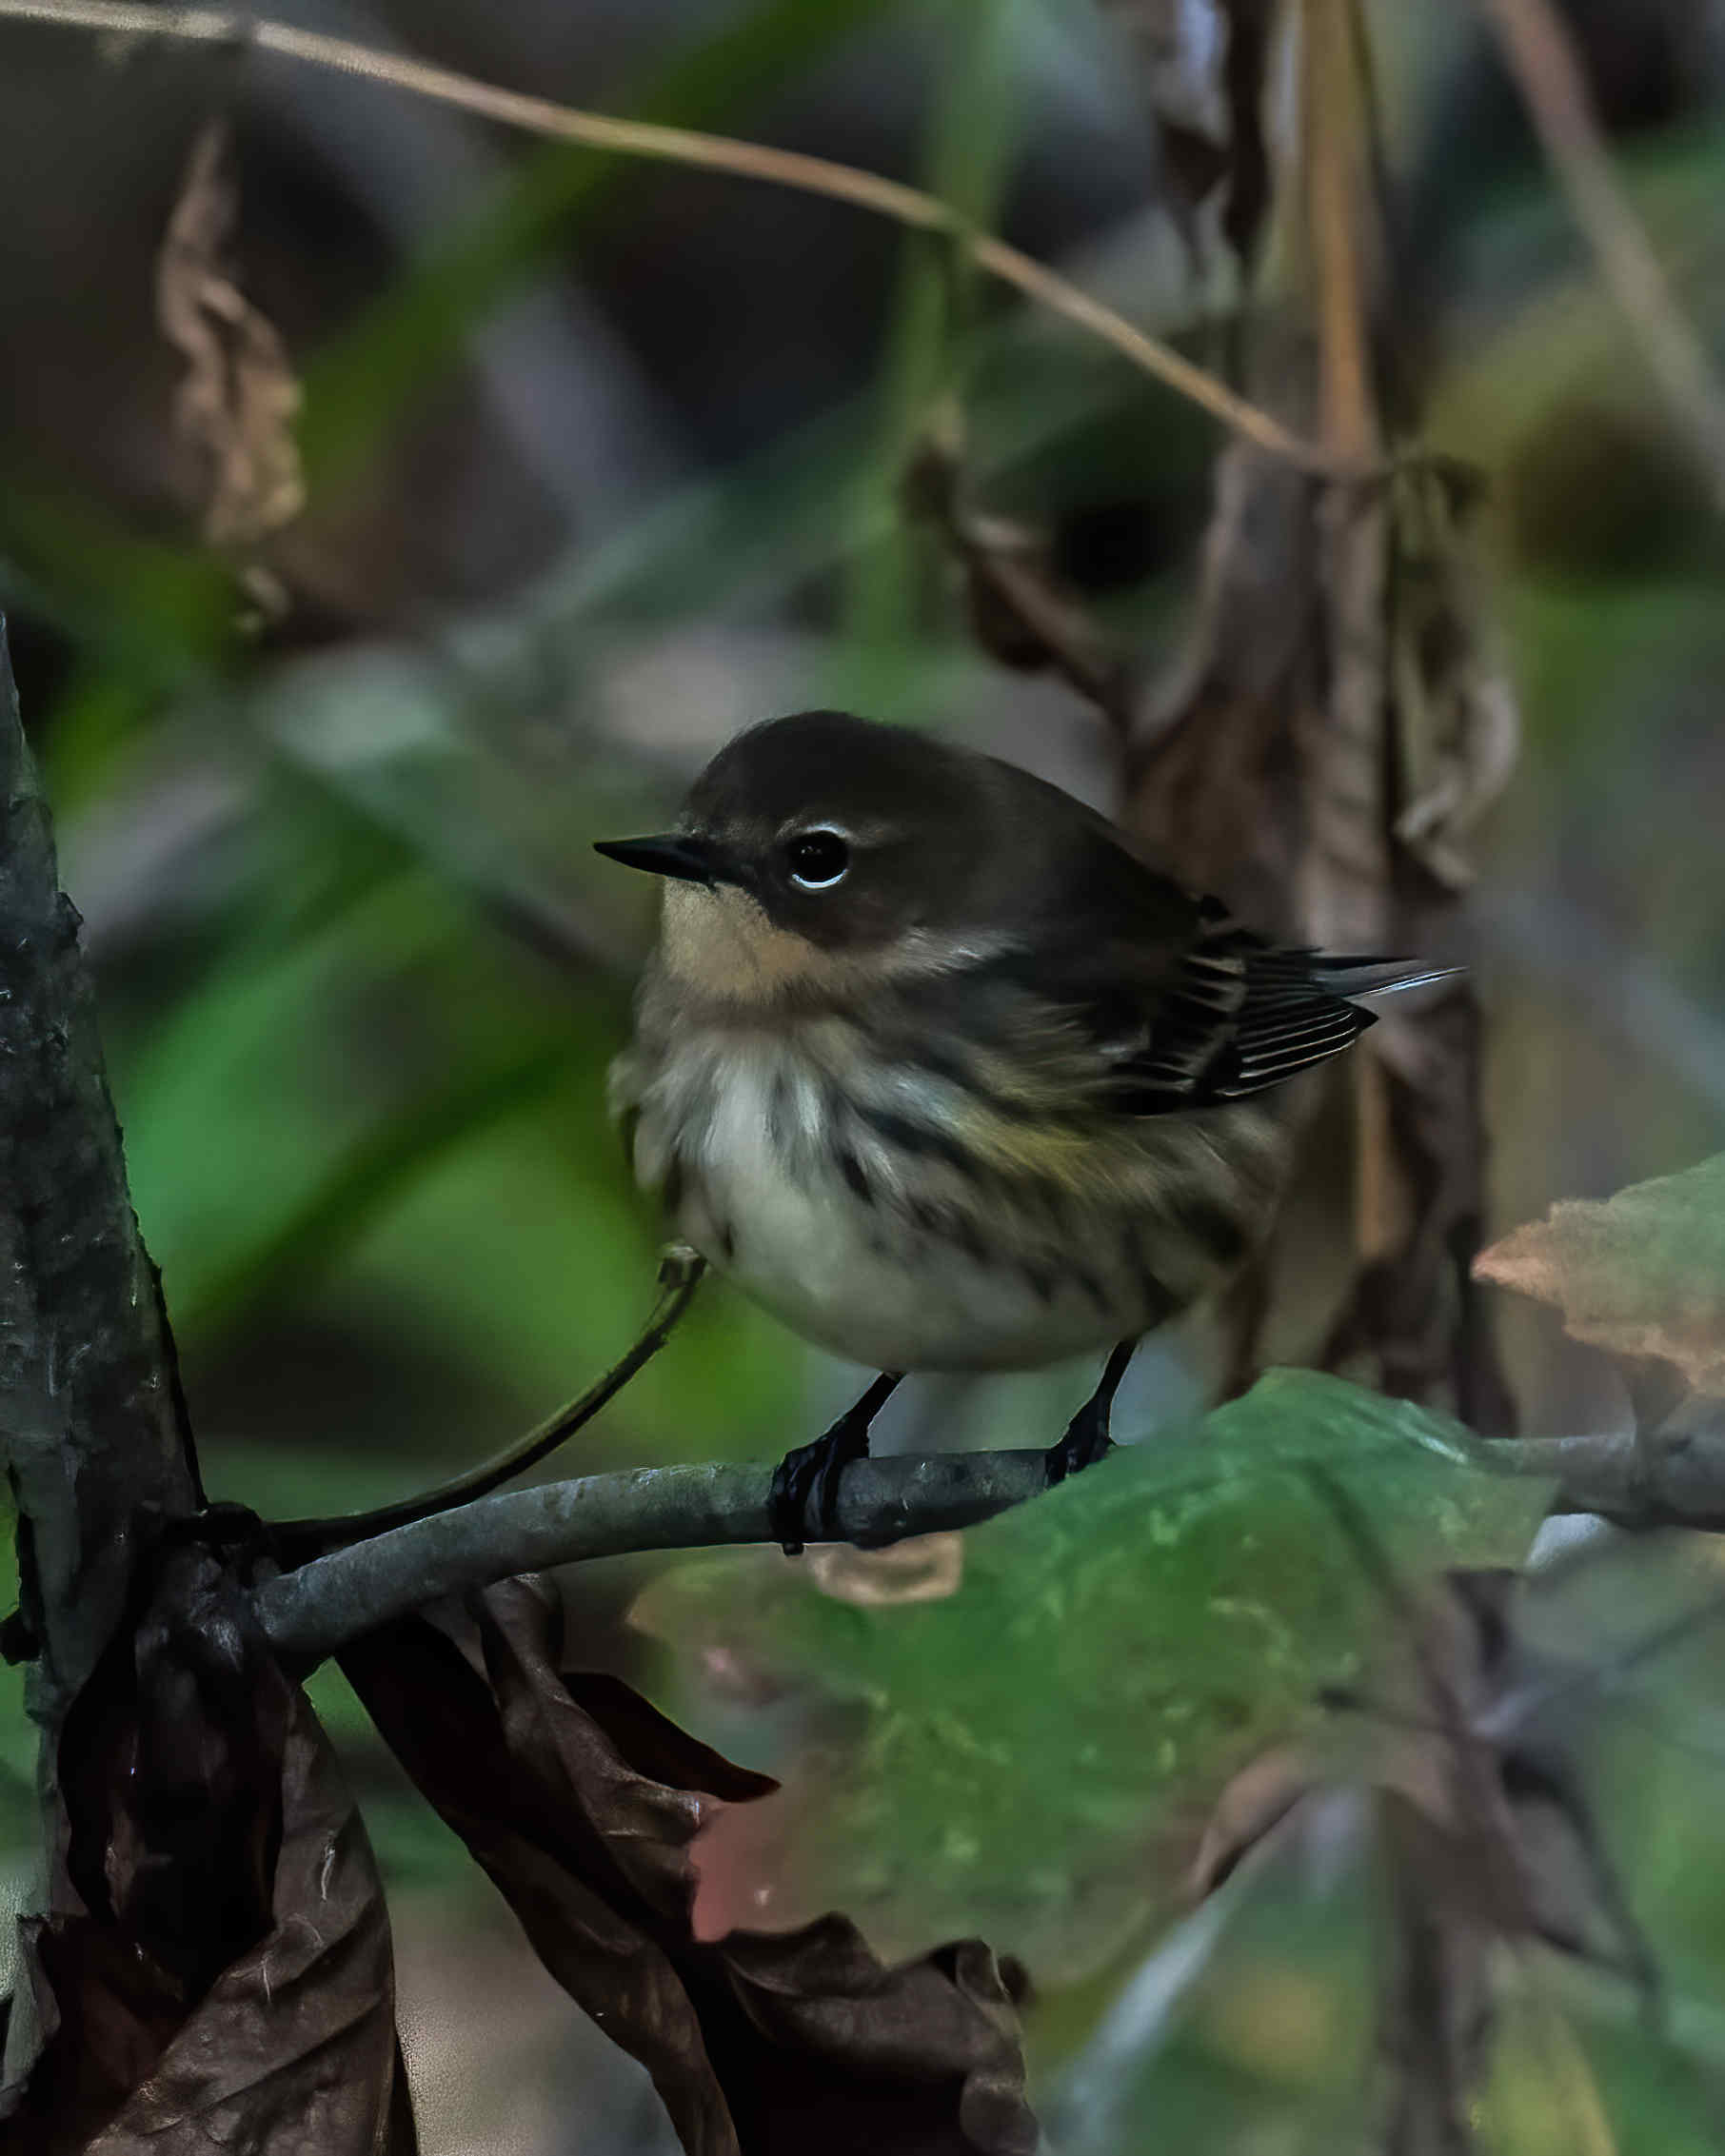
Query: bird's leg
x=1087, y=1440
x=805, y=1496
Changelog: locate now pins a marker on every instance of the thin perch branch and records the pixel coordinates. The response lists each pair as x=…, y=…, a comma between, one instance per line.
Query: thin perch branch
x=317, y=1609
x=1539, y=55
x=718, y=153
x=1675, y=1480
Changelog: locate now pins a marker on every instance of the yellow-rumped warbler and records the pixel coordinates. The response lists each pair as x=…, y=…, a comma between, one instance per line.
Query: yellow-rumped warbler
x=937, y=1070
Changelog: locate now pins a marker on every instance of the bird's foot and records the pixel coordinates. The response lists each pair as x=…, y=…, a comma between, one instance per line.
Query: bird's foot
x=803, y=1501
x=1085, y=1442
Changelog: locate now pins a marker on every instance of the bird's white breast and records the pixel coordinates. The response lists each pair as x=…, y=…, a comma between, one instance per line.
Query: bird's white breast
x=738, y=1135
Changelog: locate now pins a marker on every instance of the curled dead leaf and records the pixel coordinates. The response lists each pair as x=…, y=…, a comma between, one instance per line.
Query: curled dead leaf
x=581, y=1801
x=1020, y=613
x=236, y=406
x=219, y=1972
x=1202, y=64
x=1214, y=740
x=1252, y=1805
x=1459, y=726
x=1641, y=1273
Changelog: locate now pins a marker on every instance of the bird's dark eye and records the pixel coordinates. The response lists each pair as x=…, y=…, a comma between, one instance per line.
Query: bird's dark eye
x=817, y=859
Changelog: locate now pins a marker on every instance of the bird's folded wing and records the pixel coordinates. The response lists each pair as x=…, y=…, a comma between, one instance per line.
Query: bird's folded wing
x=1168, y=1001
x=1232, y=1016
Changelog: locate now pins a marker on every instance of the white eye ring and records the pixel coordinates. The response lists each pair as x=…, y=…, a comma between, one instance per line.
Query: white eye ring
x=827, y=865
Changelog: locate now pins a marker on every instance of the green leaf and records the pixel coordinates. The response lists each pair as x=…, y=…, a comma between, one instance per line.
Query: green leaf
x=1642, y=1273
x=1021, y=1751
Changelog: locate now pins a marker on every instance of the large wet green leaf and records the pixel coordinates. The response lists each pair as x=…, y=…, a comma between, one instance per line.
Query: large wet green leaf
x=1023, y=1756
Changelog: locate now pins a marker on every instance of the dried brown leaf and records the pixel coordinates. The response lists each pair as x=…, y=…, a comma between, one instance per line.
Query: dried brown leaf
x=1402, y=722
x=1414, y=1310
x=580, y=1802
x=1458, y=728
x=236, y=406
x=1218, y=747
x=1215, y=751
x=1201, y=64
x=1422, y=740
x=1177, y=47
x=1020, y=613
x=1250, y=26
x=1335, y=725
x=1258, y=770
x=1641, y=1273
x=227, y=1979
x=1253, y=1804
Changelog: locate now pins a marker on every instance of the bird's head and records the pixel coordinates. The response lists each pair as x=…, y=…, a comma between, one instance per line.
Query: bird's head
x=819, y=853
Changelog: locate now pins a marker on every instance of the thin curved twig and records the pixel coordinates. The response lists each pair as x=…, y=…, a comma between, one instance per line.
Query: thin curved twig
x=680, y=1276
x=1540, y=56
x=865, y=191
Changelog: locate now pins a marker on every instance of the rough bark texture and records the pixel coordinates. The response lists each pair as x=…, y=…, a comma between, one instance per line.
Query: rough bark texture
x=93, y=1440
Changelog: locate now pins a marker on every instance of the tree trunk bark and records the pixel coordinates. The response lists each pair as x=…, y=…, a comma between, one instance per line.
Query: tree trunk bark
x=93, y=1440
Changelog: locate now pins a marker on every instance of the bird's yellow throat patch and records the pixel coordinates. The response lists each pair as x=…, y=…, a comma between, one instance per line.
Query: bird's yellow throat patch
x=721, y=944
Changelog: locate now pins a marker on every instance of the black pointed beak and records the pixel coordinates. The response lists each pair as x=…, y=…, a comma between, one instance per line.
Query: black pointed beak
x=696, y=860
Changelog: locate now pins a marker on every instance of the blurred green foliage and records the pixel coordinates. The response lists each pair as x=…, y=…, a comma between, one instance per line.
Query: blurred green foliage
x=359, y=392
x=367, y=1133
